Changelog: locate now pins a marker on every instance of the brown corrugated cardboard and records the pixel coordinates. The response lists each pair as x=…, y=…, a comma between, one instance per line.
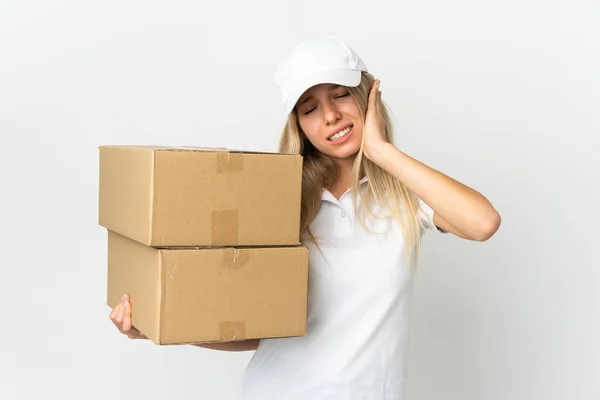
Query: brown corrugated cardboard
x=170, y=197
x=210, y=295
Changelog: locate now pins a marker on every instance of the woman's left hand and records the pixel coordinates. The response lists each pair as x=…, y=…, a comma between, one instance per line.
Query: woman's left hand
x=374, y=127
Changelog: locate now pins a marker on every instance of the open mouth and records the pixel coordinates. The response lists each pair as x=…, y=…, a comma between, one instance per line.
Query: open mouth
x=340, y=135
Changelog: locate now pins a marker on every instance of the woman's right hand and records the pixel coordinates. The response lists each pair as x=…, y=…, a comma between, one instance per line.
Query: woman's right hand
x=121, y=317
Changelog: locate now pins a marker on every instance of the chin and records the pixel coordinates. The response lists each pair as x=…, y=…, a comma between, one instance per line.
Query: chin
x=343, y=154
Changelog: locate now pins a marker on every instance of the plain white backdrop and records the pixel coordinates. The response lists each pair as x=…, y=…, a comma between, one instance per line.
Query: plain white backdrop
x=503, y=96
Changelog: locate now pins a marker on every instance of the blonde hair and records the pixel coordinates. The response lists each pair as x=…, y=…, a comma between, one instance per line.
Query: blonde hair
x=320, y=171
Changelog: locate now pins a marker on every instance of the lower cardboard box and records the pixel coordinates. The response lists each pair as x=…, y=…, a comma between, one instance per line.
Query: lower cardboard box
x=201, y=295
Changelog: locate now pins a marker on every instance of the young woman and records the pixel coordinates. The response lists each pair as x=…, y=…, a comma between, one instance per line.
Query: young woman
x=365, y=207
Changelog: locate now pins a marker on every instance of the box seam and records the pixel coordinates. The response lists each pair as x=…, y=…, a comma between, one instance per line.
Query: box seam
x=161, y=294
x=152, y=194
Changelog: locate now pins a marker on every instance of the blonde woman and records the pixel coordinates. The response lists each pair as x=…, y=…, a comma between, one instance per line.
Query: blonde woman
x=365, y=207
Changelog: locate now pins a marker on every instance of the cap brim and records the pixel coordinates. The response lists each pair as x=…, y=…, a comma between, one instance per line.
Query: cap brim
x=349, y=78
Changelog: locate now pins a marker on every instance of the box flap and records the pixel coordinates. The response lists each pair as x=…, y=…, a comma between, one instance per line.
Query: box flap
x=189, y=148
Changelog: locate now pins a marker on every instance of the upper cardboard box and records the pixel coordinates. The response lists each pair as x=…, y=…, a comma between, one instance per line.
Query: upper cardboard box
x=179, y=196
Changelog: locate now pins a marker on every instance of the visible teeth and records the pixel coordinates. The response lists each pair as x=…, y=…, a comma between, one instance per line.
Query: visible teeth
x=341, y=134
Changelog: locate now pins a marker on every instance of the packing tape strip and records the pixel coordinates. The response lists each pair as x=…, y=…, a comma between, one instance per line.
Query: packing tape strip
x=232, y=330
x=229, y=162
x=235, y=258
x=224, y=227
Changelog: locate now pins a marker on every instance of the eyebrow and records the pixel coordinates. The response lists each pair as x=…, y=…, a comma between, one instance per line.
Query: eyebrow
x=309, y=98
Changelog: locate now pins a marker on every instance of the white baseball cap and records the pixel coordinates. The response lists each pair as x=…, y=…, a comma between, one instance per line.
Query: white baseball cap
x=324, y=59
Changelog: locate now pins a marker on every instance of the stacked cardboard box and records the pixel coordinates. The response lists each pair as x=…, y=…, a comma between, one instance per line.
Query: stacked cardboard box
x=205, y=242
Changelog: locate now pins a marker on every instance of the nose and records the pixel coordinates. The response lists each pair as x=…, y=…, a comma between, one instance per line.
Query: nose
x=331, y=114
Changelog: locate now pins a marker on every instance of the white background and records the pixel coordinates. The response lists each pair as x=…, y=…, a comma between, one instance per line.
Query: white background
x=503, y=96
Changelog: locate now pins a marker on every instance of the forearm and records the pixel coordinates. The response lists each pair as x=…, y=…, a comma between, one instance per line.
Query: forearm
x=245, y=345
x=463, y=207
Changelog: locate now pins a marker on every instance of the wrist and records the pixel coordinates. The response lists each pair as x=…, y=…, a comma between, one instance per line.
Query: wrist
x=380, y=153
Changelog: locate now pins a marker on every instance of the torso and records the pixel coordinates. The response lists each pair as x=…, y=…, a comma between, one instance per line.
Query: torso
x=357, y=325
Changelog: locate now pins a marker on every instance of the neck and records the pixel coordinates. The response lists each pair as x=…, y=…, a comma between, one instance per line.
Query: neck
x=344, y=177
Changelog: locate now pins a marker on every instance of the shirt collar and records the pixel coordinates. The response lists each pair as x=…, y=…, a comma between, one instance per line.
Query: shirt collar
x=326, y=194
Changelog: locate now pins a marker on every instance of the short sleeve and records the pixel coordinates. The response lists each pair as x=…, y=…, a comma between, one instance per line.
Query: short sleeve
x=426, y=215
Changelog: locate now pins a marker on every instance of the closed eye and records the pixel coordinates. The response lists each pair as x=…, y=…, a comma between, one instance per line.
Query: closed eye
x=337, y=97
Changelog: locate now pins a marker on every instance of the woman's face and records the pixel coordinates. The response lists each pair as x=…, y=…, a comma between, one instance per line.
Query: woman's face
x=330, y=119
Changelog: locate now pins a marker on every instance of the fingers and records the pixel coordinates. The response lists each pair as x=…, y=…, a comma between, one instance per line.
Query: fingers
x=375, y=95
x=118, y=320
x=126, y=324
x=135, y=334
x=121, y=317
x=116, y=314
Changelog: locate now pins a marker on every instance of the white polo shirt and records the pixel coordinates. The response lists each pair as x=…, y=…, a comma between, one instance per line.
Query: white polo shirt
x=358, y=307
